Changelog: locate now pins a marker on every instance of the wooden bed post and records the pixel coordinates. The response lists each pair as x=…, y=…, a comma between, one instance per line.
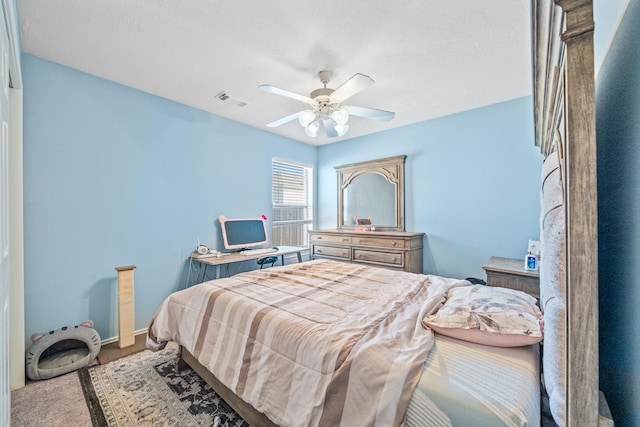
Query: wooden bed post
x=581, y=215
x=565, y=115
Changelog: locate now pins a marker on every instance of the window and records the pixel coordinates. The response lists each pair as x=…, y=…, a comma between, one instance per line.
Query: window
x=292, y=198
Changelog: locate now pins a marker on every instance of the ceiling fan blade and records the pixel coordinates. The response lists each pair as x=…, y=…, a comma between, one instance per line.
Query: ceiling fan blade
x=278, y=91
x=330, y=128
x=355, y=84
x=283, y=120
x=371, y=113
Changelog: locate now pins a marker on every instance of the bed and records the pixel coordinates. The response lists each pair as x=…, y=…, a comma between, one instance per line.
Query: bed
x=331, y=343
x=565, y=132
x=469, y=384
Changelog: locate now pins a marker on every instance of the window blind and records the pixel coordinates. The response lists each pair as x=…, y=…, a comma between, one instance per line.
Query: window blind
x=292, y=198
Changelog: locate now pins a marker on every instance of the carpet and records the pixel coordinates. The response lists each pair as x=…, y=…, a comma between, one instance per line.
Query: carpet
x=56, y=402
x=144, y=389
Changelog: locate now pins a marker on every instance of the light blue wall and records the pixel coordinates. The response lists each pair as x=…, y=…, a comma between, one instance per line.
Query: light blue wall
x=115, y=177
x=618, y=142
x=472, y=184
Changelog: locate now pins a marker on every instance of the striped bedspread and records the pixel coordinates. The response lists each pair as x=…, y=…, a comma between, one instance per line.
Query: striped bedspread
x=320, y=343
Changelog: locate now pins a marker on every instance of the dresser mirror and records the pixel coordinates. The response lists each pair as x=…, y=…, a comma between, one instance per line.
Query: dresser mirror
x=371, y=194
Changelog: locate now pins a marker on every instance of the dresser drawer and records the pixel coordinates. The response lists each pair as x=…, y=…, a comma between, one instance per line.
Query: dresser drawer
x=376, y=241
x=329, y=238
x=331, y=251
x=395, y=250
x=388, y=258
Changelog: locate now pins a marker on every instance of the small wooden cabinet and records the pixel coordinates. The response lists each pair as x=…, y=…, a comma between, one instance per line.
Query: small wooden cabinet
x=510, y=273
x=396, y=250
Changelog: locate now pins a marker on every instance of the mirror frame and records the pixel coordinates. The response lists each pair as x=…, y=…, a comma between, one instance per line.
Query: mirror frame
x=392, y=168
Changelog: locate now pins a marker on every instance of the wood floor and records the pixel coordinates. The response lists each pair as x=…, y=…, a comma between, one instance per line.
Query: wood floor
x=112, y=351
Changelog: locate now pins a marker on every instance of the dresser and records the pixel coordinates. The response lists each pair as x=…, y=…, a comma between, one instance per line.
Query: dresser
x=396, y=250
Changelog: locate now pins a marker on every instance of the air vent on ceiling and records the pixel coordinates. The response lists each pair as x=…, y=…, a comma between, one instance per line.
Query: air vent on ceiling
x=227, y=99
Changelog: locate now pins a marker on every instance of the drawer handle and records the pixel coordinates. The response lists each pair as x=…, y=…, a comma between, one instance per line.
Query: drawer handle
x=344, y=254
x=393, y=259
x=318, y=250
x=360, y=241
x=319, y=237
x=360, y=256
x=394, y=243
x=345, y=240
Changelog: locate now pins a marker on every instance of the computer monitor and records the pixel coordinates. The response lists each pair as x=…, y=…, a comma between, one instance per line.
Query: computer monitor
x=243, y=233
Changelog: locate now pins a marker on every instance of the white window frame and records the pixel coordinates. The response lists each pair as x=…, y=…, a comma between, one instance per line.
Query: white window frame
x=300, y=204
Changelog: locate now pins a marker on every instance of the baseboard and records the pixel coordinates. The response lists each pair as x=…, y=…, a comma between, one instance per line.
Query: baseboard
x=115, y=339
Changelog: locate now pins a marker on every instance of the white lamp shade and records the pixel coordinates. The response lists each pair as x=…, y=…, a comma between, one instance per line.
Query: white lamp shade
x=341, y=129
x=305, y=117
x=340, y=116
x=312, y=129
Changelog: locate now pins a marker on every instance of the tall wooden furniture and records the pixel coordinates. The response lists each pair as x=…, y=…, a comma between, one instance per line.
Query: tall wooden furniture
x=373, y=191
x=397, y=250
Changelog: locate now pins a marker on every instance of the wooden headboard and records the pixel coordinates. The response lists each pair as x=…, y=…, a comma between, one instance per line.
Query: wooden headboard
x=564, y=109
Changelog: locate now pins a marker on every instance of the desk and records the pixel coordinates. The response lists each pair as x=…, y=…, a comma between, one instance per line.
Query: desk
x=230, y=258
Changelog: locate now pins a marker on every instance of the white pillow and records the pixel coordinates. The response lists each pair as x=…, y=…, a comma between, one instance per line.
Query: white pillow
x=488, y=315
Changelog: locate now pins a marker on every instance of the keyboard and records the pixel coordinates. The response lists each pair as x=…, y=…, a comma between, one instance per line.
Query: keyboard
x=251, y=252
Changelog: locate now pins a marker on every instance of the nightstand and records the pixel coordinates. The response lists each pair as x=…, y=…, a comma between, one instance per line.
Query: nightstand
x=510, y=273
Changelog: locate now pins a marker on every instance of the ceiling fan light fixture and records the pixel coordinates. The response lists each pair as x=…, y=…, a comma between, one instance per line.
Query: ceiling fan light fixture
x=312, y=129
x=326, y=105
x=305, y=117
x=340, y=116
x=341, y=129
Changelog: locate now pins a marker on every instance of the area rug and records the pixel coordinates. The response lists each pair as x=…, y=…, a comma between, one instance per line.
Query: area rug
x=144, y=389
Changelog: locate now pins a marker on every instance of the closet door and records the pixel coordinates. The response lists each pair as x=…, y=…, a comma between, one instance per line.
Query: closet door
x=5, y=395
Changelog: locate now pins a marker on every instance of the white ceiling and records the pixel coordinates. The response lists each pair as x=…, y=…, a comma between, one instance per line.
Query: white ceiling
x=429, y=58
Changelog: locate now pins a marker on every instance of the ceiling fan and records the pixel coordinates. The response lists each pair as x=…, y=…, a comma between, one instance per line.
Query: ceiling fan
x=327, y=106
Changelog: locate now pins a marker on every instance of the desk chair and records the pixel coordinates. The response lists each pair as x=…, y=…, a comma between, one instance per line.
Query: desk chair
x=267, y=260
